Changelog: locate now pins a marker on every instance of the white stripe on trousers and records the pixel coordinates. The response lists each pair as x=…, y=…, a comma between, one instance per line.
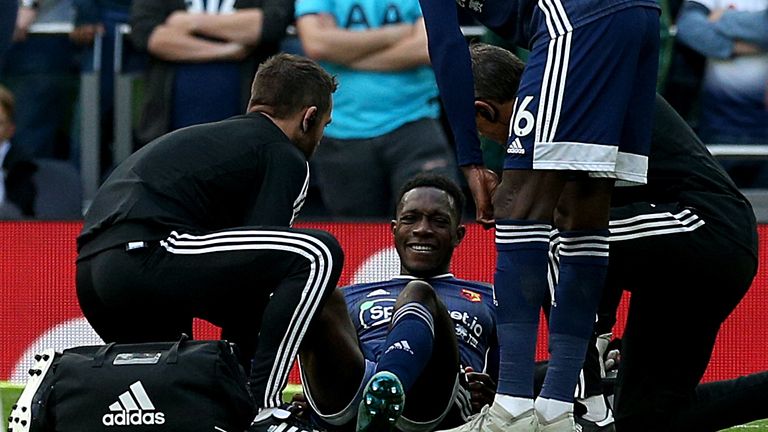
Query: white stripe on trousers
x=321, y=265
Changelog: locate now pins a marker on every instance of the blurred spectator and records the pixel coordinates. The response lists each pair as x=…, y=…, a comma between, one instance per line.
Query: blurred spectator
x=40, y=70
x=17, y=190
x=8, y=9
x=385, y=125
x=203, y=56
x=733, y=36
x=103, y=17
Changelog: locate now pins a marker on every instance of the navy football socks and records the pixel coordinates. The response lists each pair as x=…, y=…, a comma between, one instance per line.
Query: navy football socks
x=583, y=268
x=521, y=288
x=409, y=343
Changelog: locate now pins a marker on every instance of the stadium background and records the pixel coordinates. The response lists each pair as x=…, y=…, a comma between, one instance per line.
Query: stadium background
x=39, y=307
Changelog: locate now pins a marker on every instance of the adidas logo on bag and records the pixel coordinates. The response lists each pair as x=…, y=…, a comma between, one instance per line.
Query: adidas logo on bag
x=133, y=408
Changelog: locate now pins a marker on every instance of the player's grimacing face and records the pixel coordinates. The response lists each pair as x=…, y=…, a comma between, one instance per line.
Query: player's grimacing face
x=426, y=231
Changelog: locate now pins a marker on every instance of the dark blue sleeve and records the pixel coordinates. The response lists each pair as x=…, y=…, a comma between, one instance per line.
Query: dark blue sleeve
x=449, y=54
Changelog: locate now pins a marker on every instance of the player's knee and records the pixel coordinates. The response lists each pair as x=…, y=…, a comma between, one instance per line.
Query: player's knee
x=418, y=291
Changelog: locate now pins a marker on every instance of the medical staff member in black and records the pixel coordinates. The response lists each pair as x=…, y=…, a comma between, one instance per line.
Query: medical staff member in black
x=197, y=224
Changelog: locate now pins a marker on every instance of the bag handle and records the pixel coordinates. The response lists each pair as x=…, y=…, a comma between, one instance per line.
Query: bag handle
x=98, y=359
x=173, y=353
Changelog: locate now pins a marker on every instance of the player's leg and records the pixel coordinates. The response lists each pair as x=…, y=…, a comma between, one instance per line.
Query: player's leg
x=419, y=365
x=332, y=365
x=622, y=81
x=523, y=226
x=592, y=413
x=432, y=394
x=556, y=131
x=582, y=219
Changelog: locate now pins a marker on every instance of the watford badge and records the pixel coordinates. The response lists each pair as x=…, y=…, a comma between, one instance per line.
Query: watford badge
x=471, y=295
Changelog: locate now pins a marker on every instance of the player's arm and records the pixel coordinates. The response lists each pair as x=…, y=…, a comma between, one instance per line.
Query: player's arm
x=322, y=39
x=451, y=62
x=408, y=53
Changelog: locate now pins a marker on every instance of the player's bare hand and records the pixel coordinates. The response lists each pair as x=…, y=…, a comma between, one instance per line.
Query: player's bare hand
x=482, y=388
x=482, y=183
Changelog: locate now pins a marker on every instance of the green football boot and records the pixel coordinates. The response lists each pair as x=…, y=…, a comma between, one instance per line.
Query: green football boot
x=383, y=402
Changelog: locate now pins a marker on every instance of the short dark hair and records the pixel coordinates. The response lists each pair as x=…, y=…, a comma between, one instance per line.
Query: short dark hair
x=8, y=103
x=287, y=83
x=496, y=72
x=437, y=181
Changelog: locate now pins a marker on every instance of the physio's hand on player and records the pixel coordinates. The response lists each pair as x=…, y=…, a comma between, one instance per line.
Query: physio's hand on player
x=609, y=354
x=612, y=360
x=482, y=388
x=482, y=183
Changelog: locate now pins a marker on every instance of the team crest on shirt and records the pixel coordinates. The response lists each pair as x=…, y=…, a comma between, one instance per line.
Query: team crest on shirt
x=472, y=296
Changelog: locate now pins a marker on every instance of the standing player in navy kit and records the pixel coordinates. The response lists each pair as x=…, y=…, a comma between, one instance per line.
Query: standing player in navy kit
x=685, y=245
x=411, y=333
x=572, y=136
x=198, y=224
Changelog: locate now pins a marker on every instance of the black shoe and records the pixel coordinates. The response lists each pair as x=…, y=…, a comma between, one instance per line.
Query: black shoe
x=283, y=419
x=605, y=425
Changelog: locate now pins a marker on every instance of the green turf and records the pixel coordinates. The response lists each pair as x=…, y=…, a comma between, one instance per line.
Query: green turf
x=9, y=394
x=758, y=426
x=290, y=390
